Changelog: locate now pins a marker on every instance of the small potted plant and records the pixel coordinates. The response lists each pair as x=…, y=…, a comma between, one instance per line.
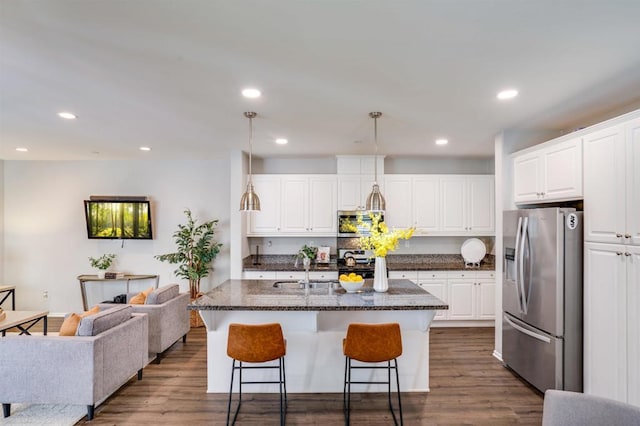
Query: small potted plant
x=307, y=254
x=102, y=263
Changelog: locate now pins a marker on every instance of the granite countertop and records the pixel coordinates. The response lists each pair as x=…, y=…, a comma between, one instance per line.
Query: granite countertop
x=261, y=295
x=399, y=262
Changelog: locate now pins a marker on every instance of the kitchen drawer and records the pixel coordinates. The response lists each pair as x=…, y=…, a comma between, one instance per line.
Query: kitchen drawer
x=485, y=274
x=313, y=275
x=291, y=275
x=432, y=275
x=259, y=275
x=323, y=275
x=461, y=274
x=407, y=275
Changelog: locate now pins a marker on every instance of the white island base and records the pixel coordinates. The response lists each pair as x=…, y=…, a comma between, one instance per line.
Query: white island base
x=314, y=360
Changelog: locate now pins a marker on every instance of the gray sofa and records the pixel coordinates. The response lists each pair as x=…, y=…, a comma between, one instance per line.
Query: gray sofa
x=109, y=348
x=564, y=408
x=168, y=317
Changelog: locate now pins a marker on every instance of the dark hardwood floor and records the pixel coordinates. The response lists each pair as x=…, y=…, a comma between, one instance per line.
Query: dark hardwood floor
x=468, y=387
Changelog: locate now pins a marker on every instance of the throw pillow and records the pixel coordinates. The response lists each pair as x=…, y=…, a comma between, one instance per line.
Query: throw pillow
x=141, y=297
x=70, y=324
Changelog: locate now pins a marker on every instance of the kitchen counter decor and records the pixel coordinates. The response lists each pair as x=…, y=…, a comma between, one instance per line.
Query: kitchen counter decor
x=381, y=241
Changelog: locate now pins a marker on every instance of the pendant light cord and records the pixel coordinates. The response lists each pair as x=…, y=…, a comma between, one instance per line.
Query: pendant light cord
x=250, y=116
x=375, y=116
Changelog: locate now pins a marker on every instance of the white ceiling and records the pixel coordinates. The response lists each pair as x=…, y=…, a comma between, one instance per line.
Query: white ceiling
x=168, y=74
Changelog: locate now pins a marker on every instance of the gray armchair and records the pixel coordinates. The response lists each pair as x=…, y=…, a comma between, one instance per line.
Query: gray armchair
x=109, y=348
x=562, y=408
x=168, y=317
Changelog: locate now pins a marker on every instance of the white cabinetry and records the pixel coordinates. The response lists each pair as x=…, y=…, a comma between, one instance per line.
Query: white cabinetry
x=295, y=205
x=467, y=205
x=471, y=295
x=353, y=191
x=612, y=321
x=267, y=220
x=551, y=172
x=259, y=275
x=612, y=184
x=412, y=201
x=436, y=283
x=356, y=174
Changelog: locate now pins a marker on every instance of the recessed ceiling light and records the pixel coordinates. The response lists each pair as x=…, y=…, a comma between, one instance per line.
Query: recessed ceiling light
x=145, y=148
x=67, y=115
x=251, y=93
x=22, y=149
x=281, y=141
x=441, y=141
x=507, y=94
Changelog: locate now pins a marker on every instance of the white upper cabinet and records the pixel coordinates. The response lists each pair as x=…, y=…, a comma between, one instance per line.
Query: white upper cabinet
x=553, y=172
x=399, y=201
x=467, y=205
x=267, y=220
x=426, y=199
x=356, y=174
x=441, y=204
x=353, y=191
x=612, y=184
x=295, y=205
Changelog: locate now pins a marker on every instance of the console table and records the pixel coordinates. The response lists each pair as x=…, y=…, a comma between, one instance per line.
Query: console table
x=84, y=279
x=11, y=291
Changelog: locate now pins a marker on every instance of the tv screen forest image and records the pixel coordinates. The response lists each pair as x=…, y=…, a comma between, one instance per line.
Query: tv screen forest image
x=126, y=220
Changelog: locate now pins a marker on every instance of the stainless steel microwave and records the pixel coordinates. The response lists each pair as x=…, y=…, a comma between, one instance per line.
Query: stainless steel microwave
x=348, y=225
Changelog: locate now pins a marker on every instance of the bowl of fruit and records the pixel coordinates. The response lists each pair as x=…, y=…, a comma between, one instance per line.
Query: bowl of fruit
x=351, y=282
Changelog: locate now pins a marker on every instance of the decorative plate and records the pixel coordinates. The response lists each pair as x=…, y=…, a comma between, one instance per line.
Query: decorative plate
x=473, y=250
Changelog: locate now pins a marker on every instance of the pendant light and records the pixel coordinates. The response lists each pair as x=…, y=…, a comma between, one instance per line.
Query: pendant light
x=375, y=200
x=250, y=200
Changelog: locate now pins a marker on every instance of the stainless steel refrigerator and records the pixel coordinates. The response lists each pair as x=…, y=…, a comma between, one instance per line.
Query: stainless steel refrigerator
x=542, y=297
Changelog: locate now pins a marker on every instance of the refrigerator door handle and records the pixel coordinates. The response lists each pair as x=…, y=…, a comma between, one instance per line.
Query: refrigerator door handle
x=517, y=263
x=520, y=282
x=537, y=336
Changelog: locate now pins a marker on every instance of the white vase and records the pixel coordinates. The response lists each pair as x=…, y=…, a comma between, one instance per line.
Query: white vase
x=380, y=280
x=101, y=273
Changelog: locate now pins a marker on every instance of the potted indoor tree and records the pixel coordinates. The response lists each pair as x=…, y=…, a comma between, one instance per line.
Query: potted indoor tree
x=102, y=263
x=196, y=250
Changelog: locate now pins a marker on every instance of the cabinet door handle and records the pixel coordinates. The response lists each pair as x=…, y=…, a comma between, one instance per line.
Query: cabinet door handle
x=627, y=254
x=619, y=253
x=618, y=235
x=627, y=235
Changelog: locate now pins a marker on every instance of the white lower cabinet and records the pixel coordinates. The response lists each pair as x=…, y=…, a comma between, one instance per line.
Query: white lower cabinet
x=612, y=321
x=472, y=295
x=435, y=282
x=469, y=294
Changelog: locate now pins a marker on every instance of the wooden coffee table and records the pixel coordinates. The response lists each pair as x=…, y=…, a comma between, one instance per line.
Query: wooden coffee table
x=10, y=290
x=23, y=321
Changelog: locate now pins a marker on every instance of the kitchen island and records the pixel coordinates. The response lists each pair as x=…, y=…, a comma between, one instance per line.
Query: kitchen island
x=314, y=320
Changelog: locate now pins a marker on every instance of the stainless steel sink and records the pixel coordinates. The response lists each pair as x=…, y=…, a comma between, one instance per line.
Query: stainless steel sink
x=300, y=285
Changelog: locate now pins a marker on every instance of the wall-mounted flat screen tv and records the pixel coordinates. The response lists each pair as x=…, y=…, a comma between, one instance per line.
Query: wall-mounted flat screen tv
x=118, y=219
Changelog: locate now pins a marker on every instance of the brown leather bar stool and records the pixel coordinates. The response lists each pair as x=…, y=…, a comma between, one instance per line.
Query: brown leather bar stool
x=257, y=344
x=372, y=343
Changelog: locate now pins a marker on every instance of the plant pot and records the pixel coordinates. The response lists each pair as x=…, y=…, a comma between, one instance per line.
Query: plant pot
x=101, y=274
x=195, y=320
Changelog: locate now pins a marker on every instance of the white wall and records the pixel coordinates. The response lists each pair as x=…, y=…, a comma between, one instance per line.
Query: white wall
x=45, y=241
x=2, y=280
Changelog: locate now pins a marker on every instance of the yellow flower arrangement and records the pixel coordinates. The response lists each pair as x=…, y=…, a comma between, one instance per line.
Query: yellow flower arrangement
x=380, y=239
